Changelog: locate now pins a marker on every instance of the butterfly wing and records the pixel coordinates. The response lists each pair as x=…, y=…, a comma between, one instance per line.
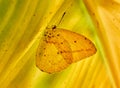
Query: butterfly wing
x=81, y=46
x=59, y=48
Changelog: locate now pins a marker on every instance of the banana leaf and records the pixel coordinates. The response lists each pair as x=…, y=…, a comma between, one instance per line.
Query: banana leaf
x=22, y=25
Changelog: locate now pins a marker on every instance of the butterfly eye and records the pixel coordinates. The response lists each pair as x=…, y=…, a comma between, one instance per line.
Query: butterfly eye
x=54, y=27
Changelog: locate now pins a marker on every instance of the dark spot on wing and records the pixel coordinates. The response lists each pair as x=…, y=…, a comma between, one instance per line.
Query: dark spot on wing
x=75, y=41
x=44, y=55
x=49, y=34
x=58, y=34
x=58, y=53
x=53, y=36
x=89, y=42
x=39, y=54
x=46, y=32
x=61, y=52
x=45, y=35
x=46, y=41
x=61, y=42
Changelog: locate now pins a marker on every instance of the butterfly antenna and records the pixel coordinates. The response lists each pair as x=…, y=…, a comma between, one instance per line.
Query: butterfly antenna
x=54, y=26
x=61, y=18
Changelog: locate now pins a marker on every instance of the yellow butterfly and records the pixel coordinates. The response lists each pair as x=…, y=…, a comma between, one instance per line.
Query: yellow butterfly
x=60, y=48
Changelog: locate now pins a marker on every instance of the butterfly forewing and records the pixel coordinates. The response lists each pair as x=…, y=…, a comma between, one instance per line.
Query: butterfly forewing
x=54, y=53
